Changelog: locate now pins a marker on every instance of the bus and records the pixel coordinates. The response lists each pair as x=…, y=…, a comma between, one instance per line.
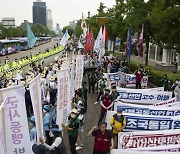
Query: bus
x=24, y=43
x=9, y=46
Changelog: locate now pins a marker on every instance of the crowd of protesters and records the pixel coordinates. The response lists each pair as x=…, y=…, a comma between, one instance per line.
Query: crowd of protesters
x=96, y=82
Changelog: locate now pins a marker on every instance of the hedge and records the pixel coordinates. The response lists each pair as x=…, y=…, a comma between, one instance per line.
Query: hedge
x=156, y=75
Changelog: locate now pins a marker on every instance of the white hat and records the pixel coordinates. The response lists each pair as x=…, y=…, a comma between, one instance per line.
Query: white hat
x=43, y=75
x=74, y=111
x=10, y=83
x=52, y=78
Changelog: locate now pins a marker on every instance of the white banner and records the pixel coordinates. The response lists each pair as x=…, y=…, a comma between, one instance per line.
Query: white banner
x=130, y=79
x=16, y=125
x=2, y=129
x=35, y=92
x=63, y=101
x=137, y=122
x=72, y=76
x=60, y=99
x=143, y=96
x=129, y=140
x=164, y=148
x=147, y=110
x=120, y=151
x=79, y=71
x=169, y=102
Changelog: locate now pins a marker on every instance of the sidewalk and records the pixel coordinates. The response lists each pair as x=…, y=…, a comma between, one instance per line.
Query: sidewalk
x=150, y=62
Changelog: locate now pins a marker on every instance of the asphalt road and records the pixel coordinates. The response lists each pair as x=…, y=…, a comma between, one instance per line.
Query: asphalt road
x=91, y=119
x=29, y=52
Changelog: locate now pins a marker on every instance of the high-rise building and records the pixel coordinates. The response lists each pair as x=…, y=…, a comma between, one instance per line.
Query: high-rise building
x=57, y=27
x=49, y=20
x=8, y=22
x=39, y=13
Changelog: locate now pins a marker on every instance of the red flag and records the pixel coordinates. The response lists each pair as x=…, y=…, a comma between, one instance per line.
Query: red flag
x=106, y=35
x=140, y=43
x=89, y=42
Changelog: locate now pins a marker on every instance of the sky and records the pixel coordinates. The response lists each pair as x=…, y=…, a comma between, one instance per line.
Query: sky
x=63, y=11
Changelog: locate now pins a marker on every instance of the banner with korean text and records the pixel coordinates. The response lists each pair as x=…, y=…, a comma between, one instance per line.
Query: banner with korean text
x=35, y=92
x=16, y=125
x=170, y=102
x=3, y=149
x=145, y=139
x=143, y=96
x=63, y=97
x=72, y=73
x=147, y=110
x=79, y=71
x=134, y=151
x=138, y=122
x=130, y=79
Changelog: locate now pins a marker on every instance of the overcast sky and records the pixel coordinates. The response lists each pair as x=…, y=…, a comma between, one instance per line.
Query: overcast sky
x=63, y=11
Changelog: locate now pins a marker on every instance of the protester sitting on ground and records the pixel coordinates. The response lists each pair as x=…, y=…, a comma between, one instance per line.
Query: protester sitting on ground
x=118, y=123
x=57, y=146
x=103, y=142
x=72, y=129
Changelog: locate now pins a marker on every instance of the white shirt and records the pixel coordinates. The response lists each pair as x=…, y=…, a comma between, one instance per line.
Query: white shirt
x=56, y=143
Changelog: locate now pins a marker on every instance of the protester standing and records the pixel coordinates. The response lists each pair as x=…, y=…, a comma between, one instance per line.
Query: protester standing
x=139, y=77
x=122, y=79
x=177, y=92
x=101, y=87
x=102, y=139
x=92, y=81
x=118, y=123
x=47, y=122
x=72, y=129
x=106, y=104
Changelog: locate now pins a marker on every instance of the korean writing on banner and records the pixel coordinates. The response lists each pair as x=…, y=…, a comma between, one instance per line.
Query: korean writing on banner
x=130, y=79
x=72, y=78
x=143, y=96
x=79, y=71
x=35, y=92
x=137, y=122
x=134, y=151
x=128, y=140
x=3, y=149
x=164, y=148
x=169, y=102
x=147, y=110
x=17, y=133
x=60, y=98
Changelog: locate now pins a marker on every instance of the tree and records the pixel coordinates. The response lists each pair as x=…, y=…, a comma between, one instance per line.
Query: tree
x=70, y=30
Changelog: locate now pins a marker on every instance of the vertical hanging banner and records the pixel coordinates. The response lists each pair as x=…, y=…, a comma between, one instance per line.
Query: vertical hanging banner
x=16, y=132
x=79, y=71
x=3, y=149
x=63, y=98
x=35, y=92
x=72, y=77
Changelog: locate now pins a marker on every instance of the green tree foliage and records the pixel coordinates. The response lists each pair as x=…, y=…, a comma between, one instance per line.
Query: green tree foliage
x=70, y=30
x=38, y=30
